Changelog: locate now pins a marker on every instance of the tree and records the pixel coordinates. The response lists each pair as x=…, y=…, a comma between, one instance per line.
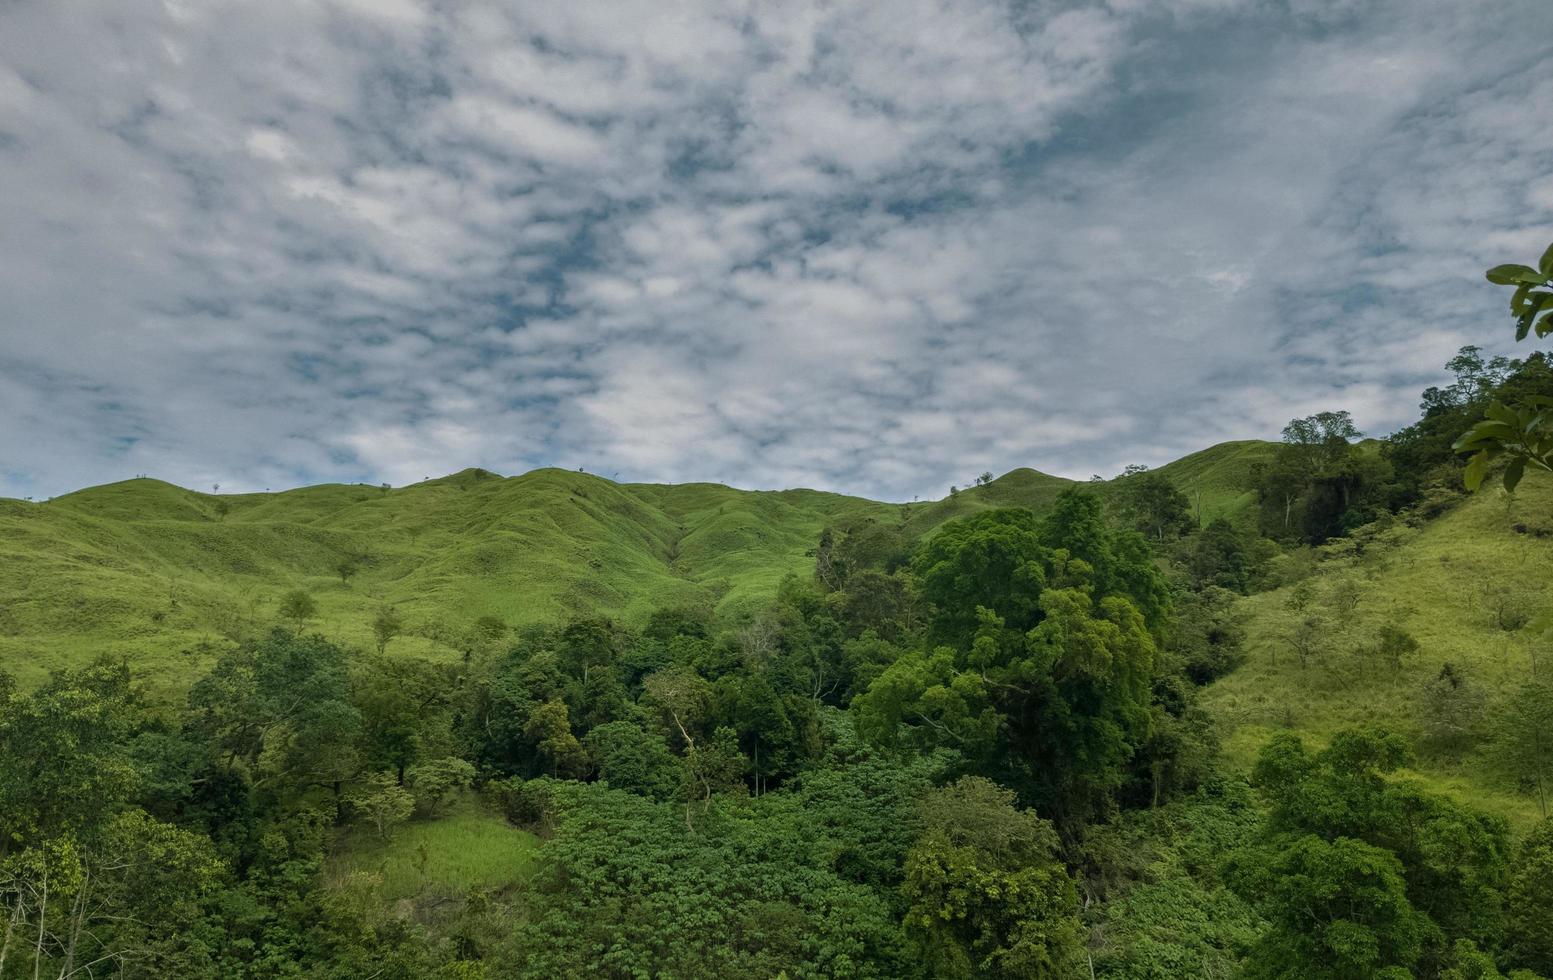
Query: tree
x=280, y=710
x=223, y=508
x=1308, y=638
x=986, y=894
x=1522, y=433
x=993, y=560
x=386, y=625
x=1453, y=711
x=1393, y=645
x=383, y=803
x=431, y=782
x=1336, y=910
x=63, y=762
x=347, y=567
x=1523, y=739
x=1319, y=485
x=634, y=760
x=298, y=607
x=1154, y=505
x=1318, y=441
x=1056, y=711
x=1359, y=872
x=1529, y=901
x=549, y=728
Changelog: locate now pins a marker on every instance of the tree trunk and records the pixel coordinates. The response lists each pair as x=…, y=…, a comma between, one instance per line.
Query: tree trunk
x=43, y=908
x=10, y=927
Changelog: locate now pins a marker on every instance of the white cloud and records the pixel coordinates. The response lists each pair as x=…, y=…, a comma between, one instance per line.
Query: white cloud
x=875, y=248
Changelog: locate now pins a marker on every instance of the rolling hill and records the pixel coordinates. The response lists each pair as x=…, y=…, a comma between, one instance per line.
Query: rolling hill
x=159, y=574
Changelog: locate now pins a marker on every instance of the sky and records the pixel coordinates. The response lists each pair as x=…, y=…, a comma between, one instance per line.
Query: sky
x=874, y=248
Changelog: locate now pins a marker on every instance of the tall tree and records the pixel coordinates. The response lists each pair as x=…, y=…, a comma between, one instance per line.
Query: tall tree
x=987, y=895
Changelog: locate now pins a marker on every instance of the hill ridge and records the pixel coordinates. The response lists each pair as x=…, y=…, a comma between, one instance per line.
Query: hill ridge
x=160, y=574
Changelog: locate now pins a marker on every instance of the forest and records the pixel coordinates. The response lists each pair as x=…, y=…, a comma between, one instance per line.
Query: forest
x=990, y=747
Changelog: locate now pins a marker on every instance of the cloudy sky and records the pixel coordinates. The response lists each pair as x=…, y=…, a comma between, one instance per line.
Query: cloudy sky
x=877, y=248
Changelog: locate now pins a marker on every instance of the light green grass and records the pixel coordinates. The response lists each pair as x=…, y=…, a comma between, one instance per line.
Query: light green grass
x=157, y=575
x=153, y=573
x=1218, y=481
x=1434, y=581
x=426, y=860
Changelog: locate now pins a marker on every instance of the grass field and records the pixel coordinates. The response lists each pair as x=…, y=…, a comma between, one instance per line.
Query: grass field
x=430, y=861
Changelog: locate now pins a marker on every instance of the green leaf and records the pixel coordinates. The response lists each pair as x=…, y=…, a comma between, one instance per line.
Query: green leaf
x=1523, y=326
x=1514, y=275
x=1476, y=470
x=1518, y=301
x=1489, y=430
x=1500, y=412
x=1514, y=472
x=1546, y=263
x=1545, y=325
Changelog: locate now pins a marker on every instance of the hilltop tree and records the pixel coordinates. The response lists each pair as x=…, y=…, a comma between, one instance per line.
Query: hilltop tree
x=1319, y=484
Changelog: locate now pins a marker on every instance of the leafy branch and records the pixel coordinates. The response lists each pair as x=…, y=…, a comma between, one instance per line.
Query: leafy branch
x=1522, y=434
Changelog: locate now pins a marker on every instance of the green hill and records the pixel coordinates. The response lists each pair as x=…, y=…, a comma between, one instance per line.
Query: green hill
x=1218, y=481
x=1466, y=586
x=161, y=575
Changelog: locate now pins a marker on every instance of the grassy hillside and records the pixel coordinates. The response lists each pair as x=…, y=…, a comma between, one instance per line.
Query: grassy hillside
x=1454, y=584
x=1218, y=481
x=162, y=575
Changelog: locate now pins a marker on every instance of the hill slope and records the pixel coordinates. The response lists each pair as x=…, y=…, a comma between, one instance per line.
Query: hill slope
x=1464, y=586
x=159, y=574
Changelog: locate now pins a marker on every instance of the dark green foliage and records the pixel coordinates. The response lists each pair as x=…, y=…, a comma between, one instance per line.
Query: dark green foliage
x=1337, y=909
x=66, y=764
x=631, y=759
x=1208, y=636
x=1321, y=485
x=987, y=896
x=1160, y=909
x=994, y=560
x=1224, y=557
x=1396, y=875
x=1153, y=505
x=734, y=898
x=1529, y=901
